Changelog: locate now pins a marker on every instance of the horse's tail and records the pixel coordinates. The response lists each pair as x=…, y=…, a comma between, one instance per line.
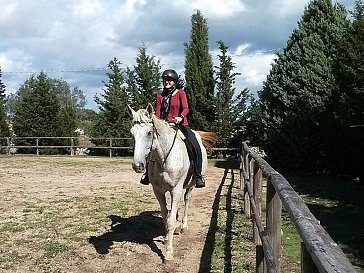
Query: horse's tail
x=209, y=139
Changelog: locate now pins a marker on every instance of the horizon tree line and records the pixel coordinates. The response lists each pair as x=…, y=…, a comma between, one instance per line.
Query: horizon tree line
x=308, y=115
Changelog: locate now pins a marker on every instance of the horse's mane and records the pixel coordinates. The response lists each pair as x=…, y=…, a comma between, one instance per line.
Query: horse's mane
x=209, y=139
x=142, y=117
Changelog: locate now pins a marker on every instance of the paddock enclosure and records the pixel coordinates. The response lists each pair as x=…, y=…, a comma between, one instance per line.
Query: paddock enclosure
x=91, y=214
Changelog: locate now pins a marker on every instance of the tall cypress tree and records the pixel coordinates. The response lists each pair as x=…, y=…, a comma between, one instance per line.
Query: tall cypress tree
x=143, y=80
x=299, y=88
x=199, y=75
x=112, y=119
x=225, y=81
x=4, y=128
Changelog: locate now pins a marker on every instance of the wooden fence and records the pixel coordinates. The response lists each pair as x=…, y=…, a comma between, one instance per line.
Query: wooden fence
x=71, y=144
x=319, y=253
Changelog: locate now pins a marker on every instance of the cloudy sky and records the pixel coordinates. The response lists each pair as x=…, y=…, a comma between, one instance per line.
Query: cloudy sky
x=74, y=40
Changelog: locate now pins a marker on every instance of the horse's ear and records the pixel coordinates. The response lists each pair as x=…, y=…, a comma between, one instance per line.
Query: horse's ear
x=130, y=110
x=150, y=109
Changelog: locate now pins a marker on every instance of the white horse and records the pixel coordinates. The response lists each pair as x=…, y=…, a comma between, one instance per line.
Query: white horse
x=157, y=145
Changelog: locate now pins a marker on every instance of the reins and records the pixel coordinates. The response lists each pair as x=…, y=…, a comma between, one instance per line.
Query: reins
x=174, y=140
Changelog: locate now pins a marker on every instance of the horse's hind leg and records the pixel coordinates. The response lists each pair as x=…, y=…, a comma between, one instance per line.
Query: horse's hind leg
x=187, y=199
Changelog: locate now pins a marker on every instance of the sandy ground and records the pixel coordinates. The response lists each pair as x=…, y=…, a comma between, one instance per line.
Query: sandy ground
x=120, y=244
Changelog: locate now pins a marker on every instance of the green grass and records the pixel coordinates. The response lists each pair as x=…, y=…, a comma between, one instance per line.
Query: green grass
x=233, y=248
x=51, y=229
x=338, y=205
x=335, y=203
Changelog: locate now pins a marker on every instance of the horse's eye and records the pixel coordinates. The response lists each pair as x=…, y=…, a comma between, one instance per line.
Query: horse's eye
x=149, y=133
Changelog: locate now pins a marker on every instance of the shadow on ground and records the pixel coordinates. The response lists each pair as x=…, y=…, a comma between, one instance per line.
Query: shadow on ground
x=205, y=262
x=131, y=229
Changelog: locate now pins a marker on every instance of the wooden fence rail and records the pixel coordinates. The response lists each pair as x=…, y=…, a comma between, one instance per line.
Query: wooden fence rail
x=319, y=253
x=10, y=144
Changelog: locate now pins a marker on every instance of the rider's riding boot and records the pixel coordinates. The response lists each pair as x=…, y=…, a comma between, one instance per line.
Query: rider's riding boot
x=145, y=179
x=200, y=183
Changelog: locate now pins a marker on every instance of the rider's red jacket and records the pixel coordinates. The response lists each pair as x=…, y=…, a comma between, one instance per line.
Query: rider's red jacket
x=178, y=108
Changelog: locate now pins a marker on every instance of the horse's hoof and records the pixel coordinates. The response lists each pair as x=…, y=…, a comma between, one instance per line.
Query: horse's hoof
x=167, y=261
x=177, y=231
x=184, y=230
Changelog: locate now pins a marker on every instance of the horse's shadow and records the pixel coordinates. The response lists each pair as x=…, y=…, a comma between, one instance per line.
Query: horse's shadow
x=141, y=229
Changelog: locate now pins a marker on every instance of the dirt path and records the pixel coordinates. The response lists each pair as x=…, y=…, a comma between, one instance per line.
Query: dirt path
x=48, y=199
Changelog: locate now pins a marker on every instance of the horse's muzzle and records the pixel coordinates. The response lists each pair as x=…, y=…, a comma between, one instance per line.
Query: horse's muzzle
x=139, y=168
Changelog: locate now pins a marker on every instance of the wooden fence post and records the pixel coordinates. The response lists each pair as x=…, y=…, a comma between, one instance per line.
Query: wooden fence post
x=307, y=265
x=37, y=144
x=259, y=259
x=257, y=193
x=274, y=212
x=248, y=182
x=110, y=150
x=8, y=144
x=72, y=149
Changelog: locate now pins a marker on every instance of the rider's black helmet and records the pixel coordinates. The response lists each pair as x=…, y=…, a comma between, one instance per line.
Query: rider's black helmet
x=170, y=73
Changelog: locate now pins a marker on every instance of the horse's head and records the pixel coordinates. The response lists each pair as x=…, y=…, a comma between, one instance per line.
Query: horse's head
x=142, y=131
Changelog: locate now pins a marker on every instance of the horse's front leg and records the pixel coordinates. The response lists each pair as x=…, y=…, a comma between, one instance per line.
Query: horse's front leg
x=161, y=197
x=187, y=200
x=172, y=221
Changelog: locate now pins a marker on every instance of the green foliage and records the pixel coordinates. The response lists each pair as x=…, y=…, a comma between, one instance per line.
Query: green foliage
x=228, y=111
x=68, y=113
x=112, y=119
x=4, y=129
x=143, y=80
x=248, y=123
x=43, y=107
x=199, y=75
x=347, y=126
x=295, y=97
x=37, y=108
x=87, y=118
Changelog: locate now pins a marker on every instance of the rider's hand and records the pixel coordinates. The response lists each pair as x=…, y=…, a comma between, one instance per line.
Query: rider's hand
x=177, y=119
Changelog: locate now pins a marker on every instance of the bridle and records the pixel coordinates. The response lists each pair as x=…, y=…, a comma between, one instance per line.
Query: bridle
x=157, y=134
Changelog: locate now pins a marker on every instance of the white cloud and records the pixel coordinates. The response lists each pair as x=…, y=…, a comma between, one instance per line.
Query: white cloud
x=253, y=66
x=68, y=35
x=87, y=8
x=214, y=8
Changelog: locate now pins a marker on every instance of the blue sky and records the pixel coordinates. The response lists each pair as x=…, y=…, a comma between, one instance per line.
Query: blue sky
x=74, y=40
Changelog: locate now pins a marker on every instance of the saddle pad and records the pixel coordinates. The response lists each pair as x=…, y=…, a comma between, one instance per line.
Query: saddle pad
x=180, y=134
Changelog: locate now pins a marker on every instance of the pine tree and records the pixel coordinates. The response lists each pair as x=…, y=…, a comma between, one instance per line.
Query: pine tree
x=143, y=80
x=69, y=111
x=348, y=104
x=226, y=115
x=36, y=110
x=199, y=75
x=112, y=119
x=4, y=127
x=299, y=88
